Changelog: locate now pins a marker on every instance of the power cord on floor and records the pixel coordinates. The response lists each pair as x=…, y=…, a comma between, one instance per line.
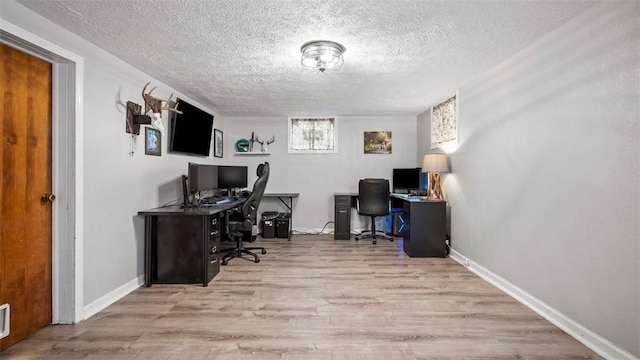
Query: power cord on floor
x=321, y=232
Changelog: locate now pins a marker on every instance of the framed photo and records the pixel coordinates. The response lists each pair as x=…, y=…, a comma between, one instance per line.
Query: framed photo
x=152, y=141
x=377, y=142
x=217, y=143
x=444, y=123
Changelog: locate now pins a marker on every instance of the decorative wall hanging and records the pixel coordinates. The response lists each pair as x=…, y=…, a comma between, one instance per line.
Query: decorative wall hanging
x=264, y=144
x=313, y=135
x=217, y=143
x=377, y=142
x=153, y=111
x=133, y=110
x=152, y=142
x=444, y=123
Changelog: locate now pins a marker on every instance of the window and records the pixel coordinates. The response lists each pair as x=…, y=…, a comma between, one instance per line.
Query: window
x=312, y=135
x=444, y=123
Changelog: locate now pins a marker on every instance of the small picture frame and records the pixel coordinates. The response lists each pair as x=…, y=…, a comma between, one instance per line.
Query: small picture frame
x=152, y=142
x=217, y=143
x=377, y=142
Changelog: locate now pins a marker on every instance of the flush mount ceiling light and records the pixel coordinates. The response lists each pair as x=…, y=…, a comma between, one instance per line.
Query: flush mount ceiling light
x=322, y=55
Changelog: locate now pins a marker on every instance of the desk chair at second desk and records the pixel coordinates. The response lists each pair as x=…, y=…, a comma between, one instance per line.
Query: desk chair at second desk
x=373, y=201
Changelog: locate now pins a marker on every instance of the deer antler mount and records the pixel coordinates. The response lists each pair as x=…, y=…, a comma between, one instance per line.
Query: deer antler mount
x=153, y=111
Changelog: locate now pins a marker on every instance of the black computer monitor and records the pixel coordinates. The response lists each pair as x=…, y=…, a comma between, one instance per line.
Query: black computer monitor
x=232, y=177
x=406, y=180
x=202, y=177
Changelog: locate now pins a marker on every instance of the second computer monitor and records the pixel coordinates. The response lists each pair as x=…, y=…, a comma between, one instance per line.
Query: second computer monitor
x=232, y=177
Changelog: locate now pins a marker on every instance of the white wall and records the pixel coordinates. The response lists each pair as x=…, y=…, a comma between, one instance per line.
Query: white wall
x=318, y=177
x=545, y=183
x=116, y=184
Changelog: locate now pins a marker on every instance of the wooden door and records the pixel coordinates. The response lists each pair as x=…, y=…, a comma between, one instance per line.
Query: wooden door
x=25, y=219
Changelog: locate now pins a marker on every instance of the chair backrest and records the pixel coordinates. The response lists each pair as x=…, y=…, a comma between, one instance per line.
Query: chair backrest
x=250, y=207
x=373, y=197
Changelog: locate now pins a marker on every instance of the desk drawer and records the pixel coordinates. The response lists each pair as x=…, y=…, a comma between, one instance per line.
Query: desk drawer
x=214, y=265
x=213, y=260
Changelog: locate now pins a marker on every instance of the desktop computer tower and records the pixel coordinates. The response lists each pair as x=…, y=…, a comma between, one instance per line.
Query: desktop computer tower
x=269, y=224
x=398, y=224
x=282, y=225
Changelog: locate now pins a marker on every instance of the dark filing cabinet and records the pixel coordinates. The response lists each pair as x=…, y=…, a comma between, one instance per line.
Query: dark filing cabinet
x=342, y=216
x=187, y=249
x=424, y=233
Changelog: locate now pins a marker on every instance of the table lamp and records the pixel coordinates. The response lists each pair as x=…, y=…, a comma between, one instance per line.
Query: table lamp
x=434, y=164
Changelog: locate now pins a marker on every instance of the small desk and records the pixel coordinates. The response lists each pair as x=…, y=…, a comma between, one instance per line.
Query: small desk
x=424, y=234
x=182, y=246
x=281, y=197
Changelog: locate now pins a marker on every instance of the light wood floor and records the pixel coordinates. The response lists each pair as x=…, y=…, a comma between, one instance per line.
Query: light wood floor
x=315, y=298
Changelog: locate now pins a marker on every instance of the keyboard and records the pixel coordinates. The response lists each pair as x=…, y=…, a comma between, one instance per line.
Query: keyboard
x=216, y=200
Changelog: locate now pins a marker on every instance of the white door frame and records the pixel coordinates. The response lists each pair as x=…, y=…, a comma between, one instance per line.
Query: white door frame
x=67, y=168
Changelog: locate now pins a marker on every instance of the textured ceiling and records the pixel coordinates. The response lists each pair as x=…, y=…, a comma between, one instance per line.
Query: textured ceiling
x=242, y=57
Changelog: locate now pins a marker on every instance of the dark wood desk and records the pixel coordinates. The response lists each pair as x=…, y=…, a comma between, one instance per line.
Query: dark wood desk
x=424, y=234
x=289, y=205
x=182, y=246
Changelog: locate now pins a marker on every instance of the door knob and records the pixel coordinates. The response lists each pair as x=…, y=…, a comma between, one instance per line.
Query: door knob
x=47, y=198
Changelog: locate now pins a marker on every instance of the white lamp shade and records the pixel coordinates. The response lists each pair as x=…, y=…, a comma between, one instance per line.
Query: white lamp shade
x=435, y=163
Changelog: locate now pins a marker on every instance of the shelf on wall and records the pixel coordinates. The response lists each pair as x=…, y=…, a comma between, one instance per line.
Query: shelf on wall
x=253, y=153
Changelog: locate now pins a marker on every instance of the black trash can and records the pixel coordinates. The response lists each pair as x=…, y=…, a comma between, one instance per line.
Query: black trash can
x=269, y=224
x=282, y=225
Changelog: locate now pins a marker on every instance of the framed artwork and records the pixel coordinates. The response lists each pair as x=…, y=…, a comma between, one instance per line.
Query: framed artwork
x=444, y=123
x=313, y=135
x=217, y=143
x=152, y=141
x=377, y=142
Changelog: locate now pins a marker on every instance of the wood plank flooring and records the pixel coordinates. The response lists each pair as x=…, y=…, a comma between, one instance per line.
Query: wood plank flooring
x=314, y=298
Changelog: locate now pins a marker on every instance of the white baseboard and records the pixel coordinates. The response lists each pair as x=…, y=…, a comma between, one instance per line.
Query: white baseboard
x=110, y=298
x=595, y=342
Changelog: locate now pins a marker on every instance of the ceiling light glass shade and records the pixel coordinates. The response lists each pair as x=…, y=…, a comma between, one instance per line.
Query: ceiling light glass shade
x=322, y=55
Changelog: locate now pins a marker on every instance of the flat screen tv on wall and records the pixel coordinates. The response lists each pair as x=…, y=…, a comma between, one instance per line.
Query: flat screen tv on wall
x=191, y=130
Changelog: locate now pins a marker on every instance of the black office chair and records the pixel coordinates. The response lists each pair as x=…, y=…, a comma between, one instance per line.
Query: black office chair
x=373, y=200
x=240, y=224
